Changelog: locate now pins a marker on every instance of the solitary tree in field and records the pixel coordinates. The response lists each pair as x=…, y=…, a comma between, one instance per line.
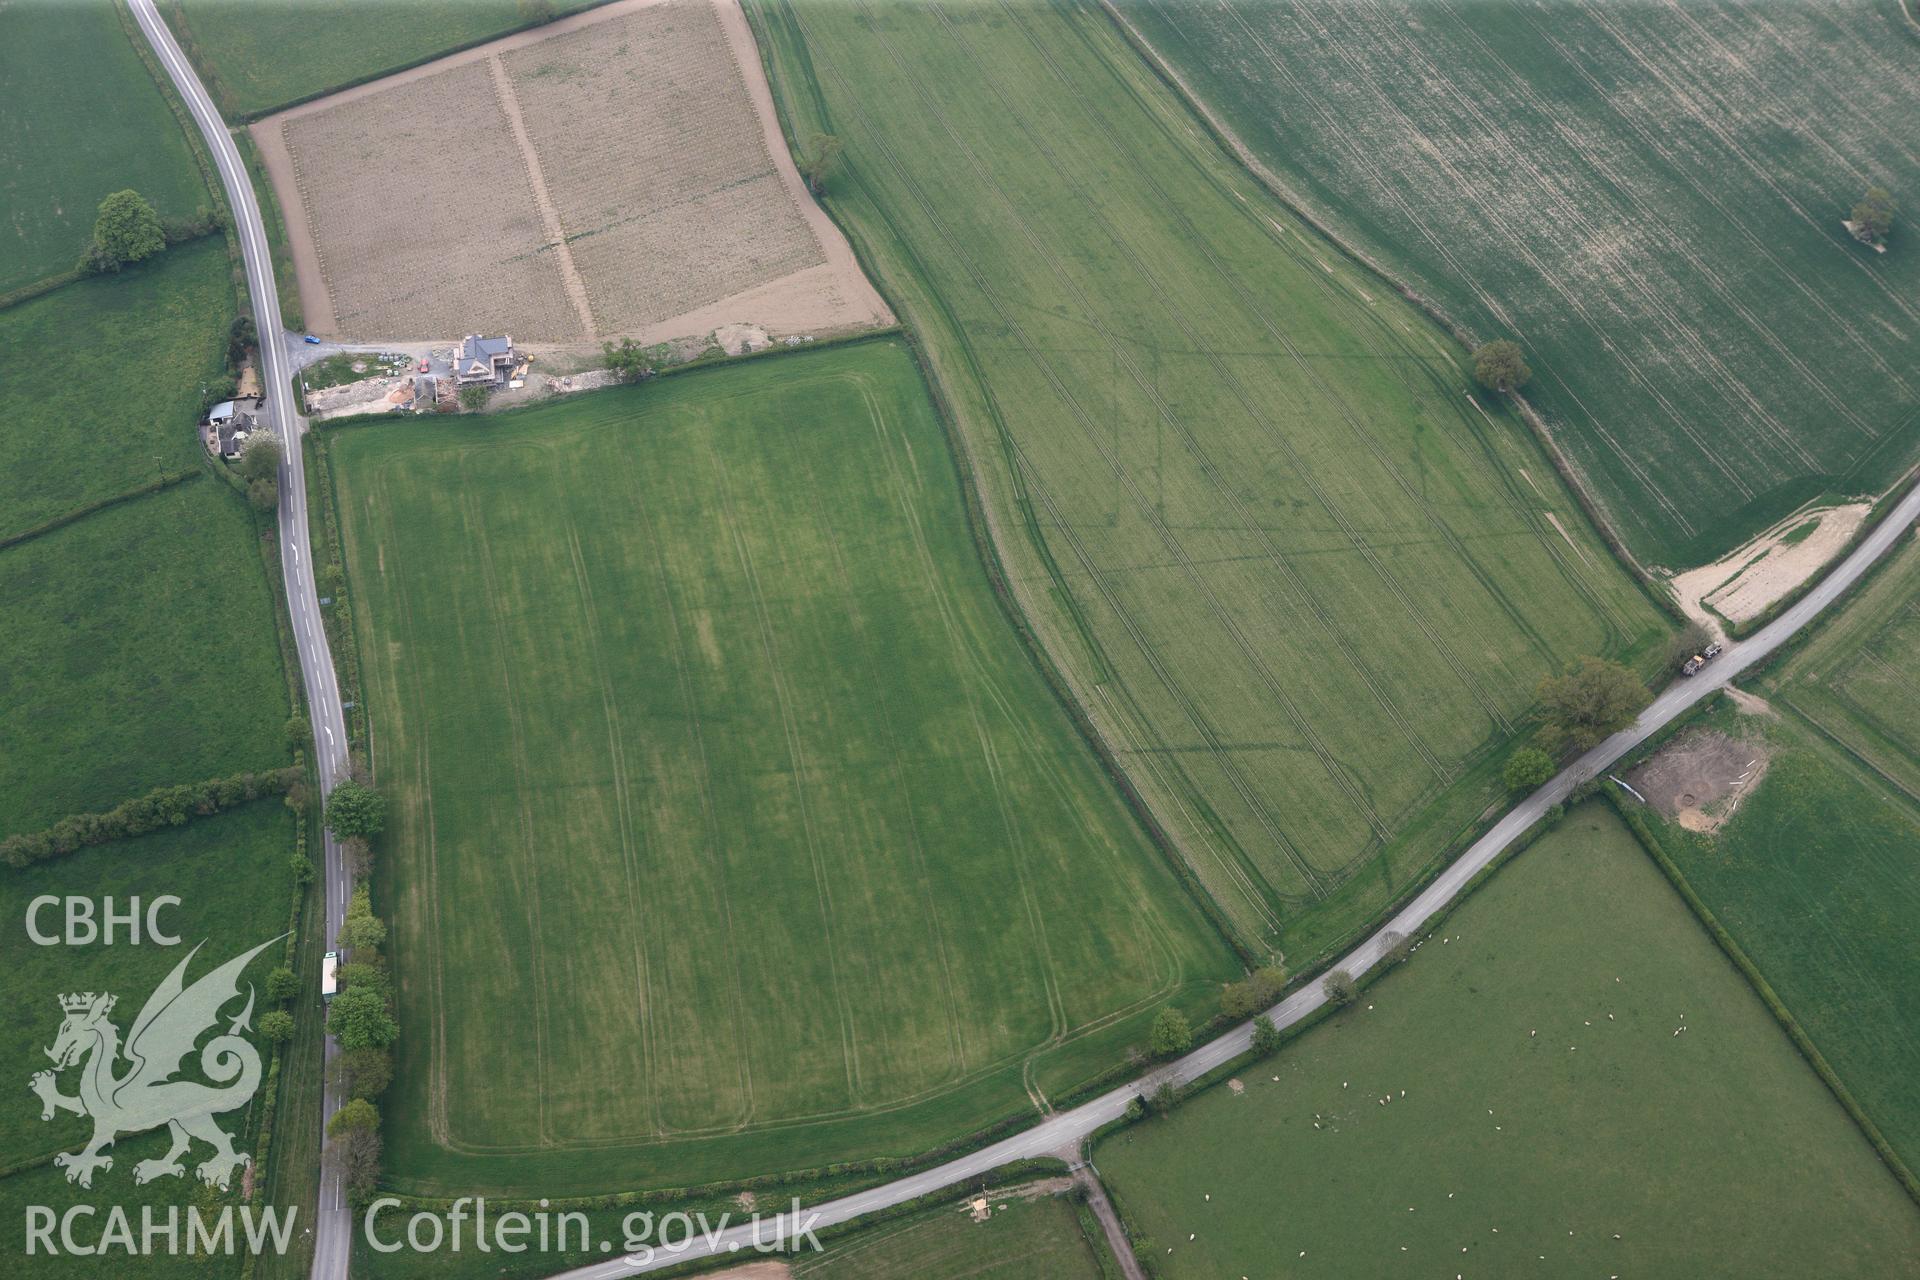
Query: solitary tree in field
x=1593, y=699
x=126, y=230
x=1340, y=988
x=356, y=809
x=1171, y=1036
x=1499, y=366
x=1527, y=768
x=1873, y=216
x=818, y=158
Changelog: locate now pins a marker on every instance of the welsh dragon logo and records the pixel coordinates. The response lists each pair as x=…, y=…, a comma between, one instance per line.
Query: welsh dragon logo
x=146, y=1094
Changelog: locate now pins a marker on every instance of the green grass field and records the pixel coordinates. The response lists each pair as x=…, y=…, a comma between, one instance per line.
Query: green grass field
x=720, y=774
x=80, y=118
x=103, y=382
x=231, y=875
x=1025, y=1238
x=1648, y=197
x=239, y=46
x=1303, y=582
x=1714, y=1152
x=1817, y=874
x=140, y=651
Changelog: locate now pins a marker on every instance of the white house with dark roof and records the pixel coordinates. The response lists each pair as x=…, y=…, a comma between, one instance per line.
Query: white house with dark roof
x=478, y=359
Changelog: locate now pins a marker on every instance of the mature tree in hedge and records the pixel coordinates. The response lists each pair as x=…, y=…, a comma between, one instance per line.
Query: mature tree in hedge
x=360, y=1019
x=282, y=984
x=355, y=809
x=1499, y=366
x=240, y=336
x=1340, y=987
x=361, y=930
x=1266, y=1036
x=126, y=230
x=1595, y=698
x=1873, y=216
x=299, y=732
x=1254, y=992
x=1527, y=768
x=1165, y=1097
x=263, y=494
x=818, y=159
x=357, y=1116
x=1689, y=640
x=359, y=856
x=362, y=1073
x=1171, y=1035
x=260, y=460
x=360, y=1163
x=629, y=361
x=277, y=1025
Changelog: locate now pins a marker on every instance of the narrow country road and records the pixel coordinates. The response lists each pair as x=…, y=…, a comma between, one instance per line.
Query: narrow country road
x=332, y=1219
x=1059, y=1133
x=1062, y=1133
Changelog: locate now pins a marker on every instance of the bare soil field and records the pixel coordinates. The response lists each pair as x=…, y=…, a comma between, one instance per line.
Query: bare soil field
x=1700, y=779
x=618, y=173
x=1744, y=583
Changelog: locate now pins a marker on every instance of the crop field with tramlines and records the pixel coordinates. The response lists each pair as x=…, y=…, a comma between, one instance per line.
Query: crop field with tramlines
x=1648, y=197
x=1519, y=1100
x=720, y=774
x=1303, y=579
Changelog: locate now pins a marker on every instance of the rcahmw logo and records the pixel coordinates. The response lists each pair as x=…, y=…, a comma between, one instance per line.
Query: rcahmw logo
x=132, y=1087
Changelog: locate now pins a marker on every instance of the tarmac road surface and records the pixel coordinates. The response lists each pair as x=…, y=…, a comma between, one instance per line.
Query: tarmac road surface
x=1059, y=1134
x=332, y=1220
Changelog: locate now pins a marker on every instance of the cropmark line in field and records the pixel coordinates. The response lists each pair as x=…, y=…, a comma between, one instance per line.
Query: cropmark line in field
x=1311, y=374
x=1680, y=332
x=1522, y=247
x=1677, y=245
x=1255, y=804
x=1254, y=661
x=1366, y=164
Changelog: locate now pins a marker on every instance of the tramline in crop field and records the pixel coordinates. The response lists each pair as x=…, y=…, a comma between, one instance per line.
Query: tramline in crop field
x=720, y=774
x=1648, y=197
x=1304, y=580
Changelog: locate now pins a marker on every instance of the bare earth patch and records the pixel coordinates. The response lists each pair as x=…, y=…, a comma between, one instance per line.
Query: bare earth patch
x=1742, y=584
x=1700, y=778
x=618, y=173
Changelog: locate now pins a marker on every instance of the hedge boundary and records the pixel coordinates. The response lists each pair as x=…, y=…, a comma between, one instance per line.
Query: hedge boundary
x=1650, y=841
x=170, y=806
x=61, y=521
